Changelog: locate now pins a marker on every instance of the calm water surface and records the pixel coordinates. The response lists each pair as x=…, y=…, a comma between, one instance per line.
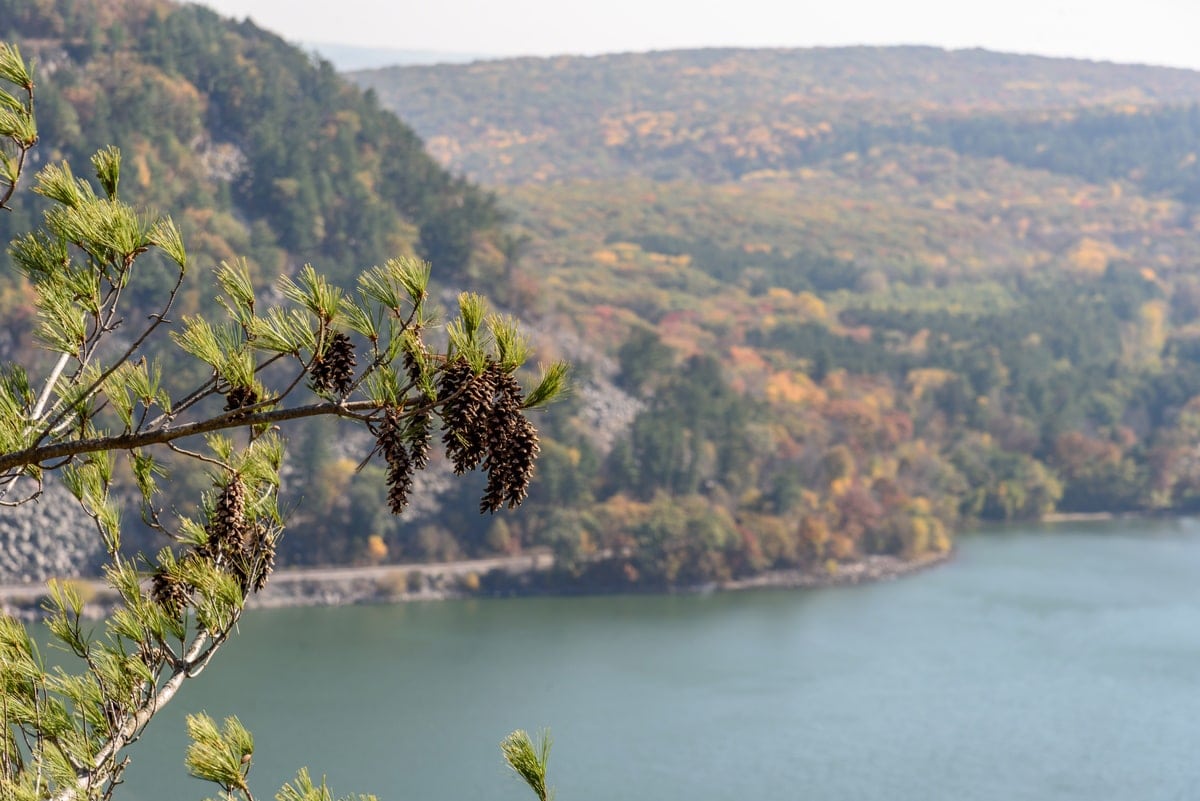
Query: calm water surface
x=1056, y=663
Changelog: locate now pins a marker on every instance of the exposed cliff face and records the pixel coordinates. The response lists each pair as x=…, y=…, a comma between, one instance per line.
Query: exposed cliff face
x=47, y=537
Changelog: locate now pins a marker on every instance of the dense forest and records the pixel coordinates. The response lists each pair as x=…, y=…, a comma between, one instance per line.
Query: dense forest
x=862, y=296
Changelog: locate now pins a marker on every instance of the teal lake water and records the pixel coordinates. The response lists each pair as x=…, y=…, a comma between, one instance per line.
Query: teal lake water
x=1051, y=663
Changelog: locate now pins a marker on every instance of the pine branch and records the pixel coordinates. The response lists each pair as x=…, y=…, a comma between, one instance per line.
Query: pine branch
x=189, y=666
x=157, y=319
x=229, y=420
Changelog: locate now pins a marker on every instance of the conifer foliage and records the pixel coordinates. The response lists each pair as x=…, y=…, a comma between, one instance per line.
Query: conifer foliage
x=96, y=408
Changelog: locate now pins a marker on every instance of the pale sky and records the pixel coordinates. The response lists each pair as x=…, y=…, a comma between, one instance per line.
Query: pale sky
x=1164, y=32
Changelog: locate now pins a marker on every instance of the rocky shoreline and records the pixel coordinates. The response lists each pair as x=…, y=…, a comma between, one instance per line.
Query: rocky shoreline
x=452, y=580
x=869, y=569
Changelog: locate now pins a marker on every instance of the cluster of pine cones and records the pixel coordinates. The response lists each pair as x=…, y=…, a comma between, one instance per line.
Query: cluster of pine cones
x=484, y=425
x=243, y=548
x=405, y=448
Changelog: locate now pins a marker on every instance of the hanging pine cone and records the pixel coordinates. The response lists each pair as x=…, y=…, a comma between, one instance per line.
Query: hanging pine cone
x=399, y=480
x=153, y=655
x=333, y=369
x=493, y=493
x=503, y=417
x=257, y=560
x=505, y=413
x=453, y=378
x=412, y=367
x=522, y=453
x=466, y=403
x=264, y=549
x=391, y=433
x=170, y=592
x=512, y=448
x=420, y=433
x=240, y=398
x=227, y=526
x=399, y=461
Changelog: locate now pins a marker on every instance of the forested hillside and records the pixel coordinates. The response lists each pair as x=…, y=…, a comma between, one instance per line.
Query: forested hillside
x=712, y=115
x=864, y=296
x=258, y=151
x=823, y=304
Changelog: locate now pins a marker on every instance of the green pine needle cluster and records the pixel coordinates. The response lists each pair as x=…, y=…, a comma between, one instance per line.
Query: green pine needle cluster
x=304, y=789
x=529, y=760
x=219, y=755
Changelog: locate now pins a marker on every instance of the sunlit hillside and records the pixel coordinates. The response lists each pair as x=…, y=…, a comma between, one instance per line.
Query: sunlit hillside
x=940, y=285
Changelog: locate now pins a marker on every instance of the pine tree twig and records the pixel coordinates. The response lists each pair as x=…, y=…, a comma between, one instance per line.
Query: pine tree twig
x=125, y=442
x=156, y=320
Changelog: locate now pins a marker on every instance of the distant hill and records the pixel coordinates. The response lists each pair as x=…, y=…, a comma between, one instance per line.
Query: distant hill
x=714, y=114
x=347, y=57
x=863, y=294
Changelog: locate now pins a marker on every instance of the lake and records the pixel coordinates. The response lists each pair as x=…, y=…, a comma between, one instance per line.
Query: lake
x=1054, y=662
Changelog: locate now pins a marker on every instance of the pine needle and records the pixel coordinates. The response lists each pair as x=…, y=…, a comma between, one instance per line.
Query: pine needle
x=528, y=760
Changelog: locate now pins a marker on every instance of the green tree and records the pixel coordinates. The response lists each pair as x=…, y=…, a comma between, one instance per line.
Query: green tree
x=99, y=410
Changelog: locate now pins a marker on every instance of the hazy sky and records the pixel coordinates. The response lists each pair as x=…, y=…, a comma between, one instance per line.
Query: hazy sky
x=1148, y=31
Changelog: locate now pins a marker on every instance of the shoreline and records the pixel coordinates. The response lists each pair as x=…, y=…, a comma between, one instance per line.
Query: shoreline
x=392, y=584
x=503, y=577
x=868, y=570
x=1078, y=517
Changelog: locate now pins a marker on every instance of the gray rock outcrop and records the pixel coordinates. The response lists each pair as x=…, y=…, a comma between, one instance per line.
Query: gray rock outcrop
x=47, y=537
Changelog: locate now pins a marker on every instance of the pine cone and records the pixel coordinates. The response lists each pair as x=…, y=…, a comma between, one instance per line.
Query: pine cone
x=227, y=526
x=240, y=398
x=510, y=467
x=399, y=461
x=266, y=559
x=152, y=655
x=420, y=433
x=113, y=713
x=512, y=447
x=391, y=433
x=399, y=481
x=454, y=377
x=333, y=369
x=170, y=592
x=412, y=367
x=258, y=558
x=466, y=403
x=523, y=451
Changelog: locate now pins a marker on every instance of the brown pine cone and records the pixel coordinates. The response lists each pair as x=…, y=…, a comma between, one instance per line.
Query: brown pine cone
x=170, y=592
x=466, y=404
x=227, y=526
x=333, y=369
x=240, y=398
x=512, y=447
x=257, y=559
x=400, y=463
x=419, y=435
